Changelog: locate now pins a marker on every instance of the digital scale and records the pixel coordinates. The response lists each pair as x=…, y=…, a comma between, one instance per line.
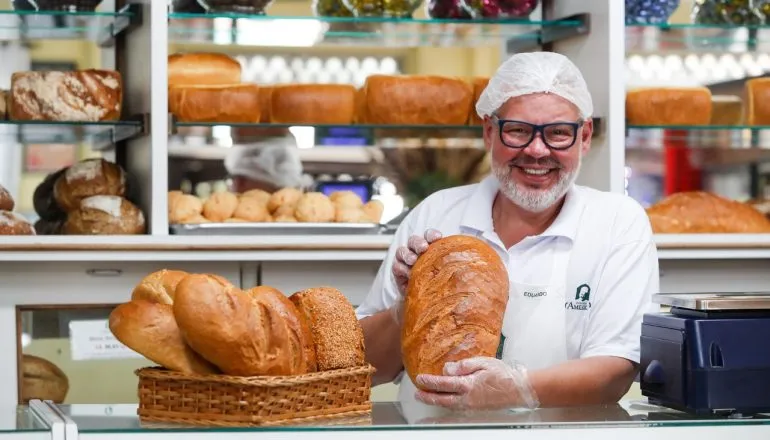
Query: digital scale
x=710, y=355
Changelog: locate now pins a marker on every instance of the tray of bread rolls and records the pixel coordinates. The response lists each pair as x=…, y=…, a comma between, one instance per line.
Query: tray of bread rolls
x=232, y=357
x=286, y=211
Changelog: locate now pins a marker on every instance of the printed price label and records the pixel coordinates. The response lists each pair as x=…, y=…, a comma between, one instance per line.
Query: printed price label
x=91, y=340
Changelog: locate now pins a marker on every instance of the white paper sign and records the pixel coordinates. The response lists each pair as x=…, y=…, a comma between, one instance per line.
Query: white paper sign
x=93, y=340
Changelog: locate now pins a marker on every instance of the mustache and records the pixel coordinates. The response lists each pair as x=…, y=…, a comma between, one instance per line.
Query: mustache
x=546, y=162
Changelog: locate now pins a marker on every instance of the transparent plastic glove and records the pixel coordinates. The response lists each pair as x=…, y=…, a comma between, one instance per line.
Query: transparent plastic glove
x=481, y=383
x=406, y=256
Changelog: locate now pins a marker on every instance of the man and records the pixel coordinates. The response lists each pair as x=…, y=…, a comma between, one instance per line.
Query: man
x=589, y=255
x=268, y=167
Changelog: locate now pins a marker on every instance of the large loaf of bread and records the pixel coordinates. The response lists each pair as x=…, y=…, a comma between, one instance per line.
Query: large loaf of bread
x=669, y=106
x=758, y=101
x=84, y=96
x=42, y=380
x=313, y=104
x=234, y=103
x=702, y=212
x=415, y=100
x=202, y=69
x=455, y=302
x=479, y=84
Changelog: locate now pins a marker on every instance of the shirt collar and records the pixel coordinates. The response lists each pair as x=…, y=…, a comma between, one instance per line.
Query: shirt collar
x=478, y=211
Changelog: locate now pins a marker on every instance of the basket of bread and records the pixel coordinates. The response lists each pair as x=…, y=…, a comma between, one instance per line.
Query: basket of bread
x=233, y=357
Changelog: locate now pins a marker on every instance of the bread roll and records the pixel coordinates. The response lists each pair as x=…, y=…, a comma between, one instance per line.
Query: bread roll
x=232, y=103
x=184, y=207
x=284, y=218
x=105, y=215
x=726, y=110
x=230, y=329
x=6, y=201
x=346, y=199
x=203, y=69
x=701, y=212
x=85, y=96
x=12, y=223
x=314, y=207
x=285, y=198
x=373, y=210
x=220, y=206
x=159, y=287
x=757, y=104
x=337, y=335
x=88, y=178
x=299, y=331
x=258, y=194
x=150, y=329
x=194, y=220
x=669, y=106
x=479, y=84
x=454, y=306
x=350, y=215
x=313, y=104
x=251, y=210
x=43, y=380
x=416, y=100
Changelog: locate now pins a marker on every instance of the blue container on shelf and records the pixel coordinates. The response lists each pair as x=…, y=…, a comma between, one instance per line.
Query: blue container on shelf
x=650, y=11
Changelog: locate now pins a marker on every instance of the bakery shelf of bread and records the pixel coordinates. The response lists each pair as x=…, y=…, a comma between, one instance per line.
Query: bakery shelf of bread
x=99, y=26
x=233, y=357
x=289, y=210
x=677, y=38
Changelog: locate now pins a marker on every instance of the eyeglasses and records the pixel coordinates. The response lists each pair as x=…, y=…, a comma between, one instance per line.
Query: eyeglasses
x=555, y=135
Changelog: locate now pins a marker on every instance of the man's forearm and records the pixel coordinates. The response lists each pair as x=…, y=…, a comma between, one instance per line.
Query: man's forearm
x=382, y=340
x=597, y=380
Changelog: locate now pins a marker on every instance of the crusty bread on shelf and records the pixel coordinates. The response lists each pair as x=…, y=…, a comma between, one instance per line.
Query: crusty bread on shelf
x=12, y=223
x=479, y=84
x=42, y=380
x=416, y=100
x=337, y=334
x=6, y=201
x=287, y=205
x=105, y=215
x=455, y=301
x=4, y=97
x=726, y=110
x=202, y=69
x=702, y=212
x=88, y=178
x=757, y=101
x=159, y=286
x=668, y=106
x=230, y=103
x=313, y=104
x=85, y=96
x=150, y=329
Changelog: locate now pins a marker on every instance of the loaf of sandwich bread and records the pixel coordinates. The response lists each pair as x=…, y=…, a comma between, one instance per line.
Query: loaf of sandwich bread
x=669, y=106
x=83, y=96
x=202, y=69
x=313, y=104
x=454, y=306
x=757, y=104
x=231, y=103
x=415, y=100
x=479, y=84
x=726, y=110
x=703, y=212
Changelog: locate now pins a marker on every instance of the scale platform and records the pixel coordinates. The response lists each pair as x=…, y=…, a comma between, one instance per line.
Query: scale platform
x=716, y=305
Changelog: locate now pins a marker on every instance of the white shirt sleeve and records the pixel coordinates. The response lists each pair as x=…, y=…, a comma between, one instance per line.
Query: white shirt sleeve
x=384, y=293
x=625, y=290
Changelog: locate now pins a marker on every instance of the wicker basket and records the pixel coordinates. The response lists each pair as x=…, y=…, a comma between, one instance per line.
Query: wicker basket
x=218, y=400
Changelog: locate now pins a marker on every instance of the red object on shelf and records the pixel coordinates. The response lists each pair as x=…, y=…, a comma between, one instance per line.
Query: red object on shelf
x=680, y=174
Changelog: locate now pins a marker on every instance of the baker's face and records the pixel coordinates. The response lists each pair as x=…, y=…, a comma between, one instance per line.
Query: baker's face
x=535, y=177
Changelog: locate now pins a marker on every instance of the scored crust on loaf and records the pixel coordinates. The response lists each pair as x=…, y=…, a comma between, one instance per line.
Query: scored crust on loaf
x=337, y=335
x=43, y=380
x=454, y=307
x=6, y=201
x=12, y=223
x=159, y=286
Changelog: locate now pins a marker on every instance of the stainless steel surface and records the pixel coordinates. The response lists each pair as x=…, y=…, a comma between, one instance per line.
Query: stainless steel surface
x=716, y=301
x=277, y=229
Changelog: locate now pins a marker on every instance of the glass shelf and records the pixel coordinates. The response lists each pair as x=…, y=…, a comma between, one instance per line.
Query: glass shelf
x=100, y=27
x=99, y=135
x=250, y=30
x=643, y=38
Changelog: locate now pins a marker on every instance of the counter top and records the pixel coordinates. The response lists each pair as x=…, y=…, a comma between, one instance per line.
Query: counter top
x=630, y=419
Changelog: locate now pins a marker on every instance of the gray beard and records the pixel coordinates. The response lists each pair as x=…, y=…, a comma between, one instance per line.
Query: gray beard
x=530, y=199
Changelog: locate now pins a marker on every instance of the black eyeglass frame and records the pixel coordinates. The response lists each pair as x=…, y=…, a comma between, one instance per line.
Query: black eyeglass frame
x=538, y=128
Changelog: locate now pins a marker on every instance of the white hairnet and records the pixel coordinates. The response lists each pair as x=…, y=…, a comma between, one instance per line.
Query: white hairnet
x=278, y=164
x=536, y=72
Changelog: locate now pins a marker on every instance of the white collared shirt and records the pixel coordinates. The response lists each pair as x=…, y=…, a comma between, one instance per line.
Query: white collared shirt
x=613, y=252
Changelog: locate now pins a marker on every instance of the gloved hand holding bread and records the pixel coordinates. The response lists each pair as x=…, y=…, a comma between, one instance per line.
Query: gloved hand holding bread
x=203, y=324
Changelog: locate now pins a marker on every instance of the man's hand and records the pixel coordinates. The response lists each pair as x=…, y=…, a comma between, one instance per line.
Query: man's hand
x=478, y=383
x=406, y=256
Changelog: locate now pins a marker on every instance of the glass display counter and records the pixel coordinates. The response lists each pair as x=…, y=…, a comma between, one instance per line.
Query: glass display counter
x=629, y=420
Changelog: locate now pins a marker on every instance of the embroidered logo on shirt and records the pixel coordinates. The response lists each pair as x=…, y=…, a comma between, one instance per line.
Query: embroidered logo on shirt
x=582, y=299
